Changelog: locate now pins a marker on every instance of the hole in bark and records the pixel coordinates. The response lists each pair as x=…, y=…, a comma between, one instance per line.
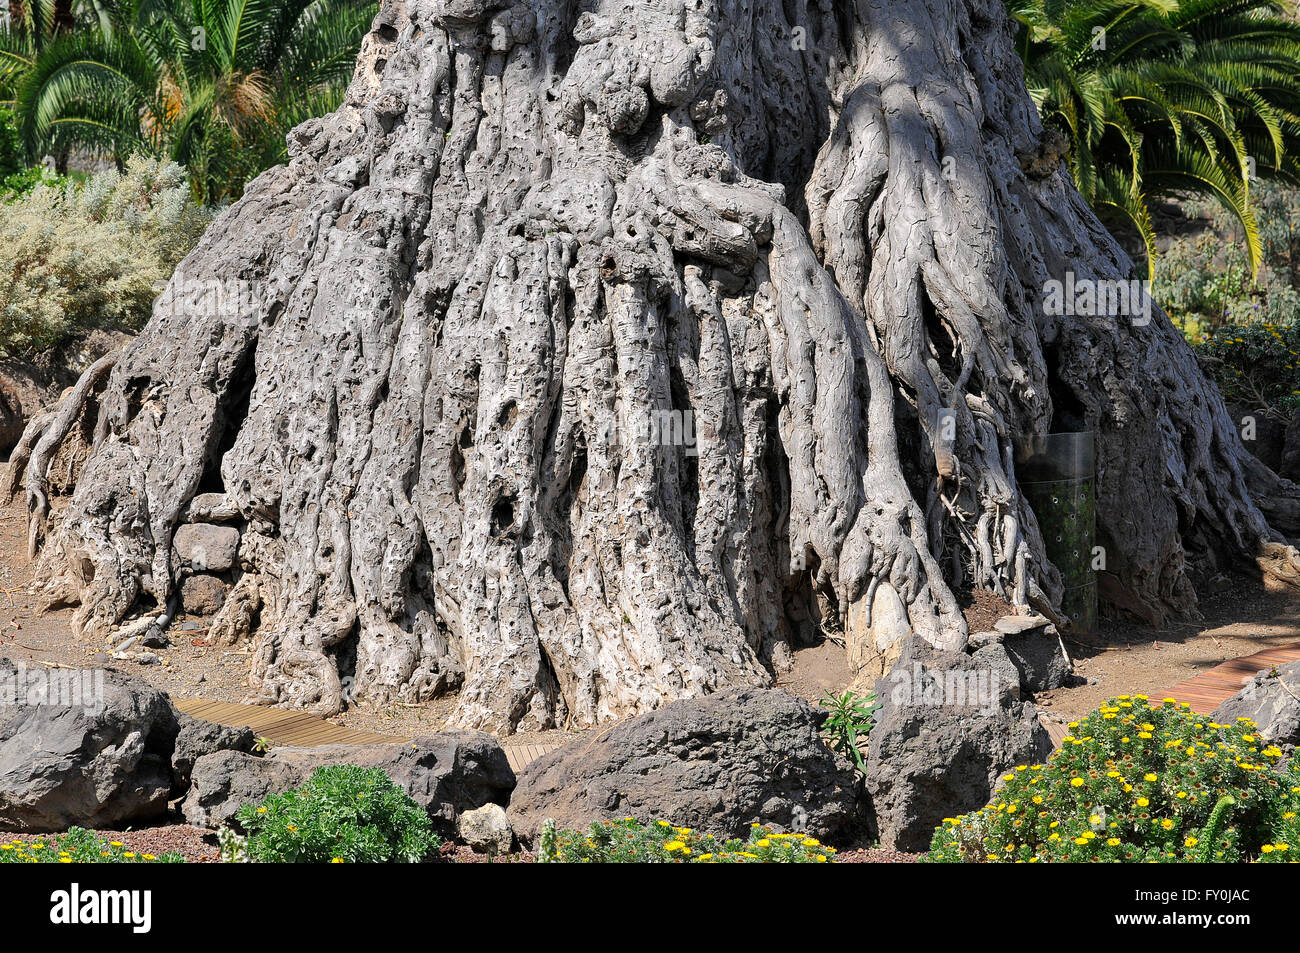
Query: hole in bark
x=387, y=32
x=570, y=510
x=1068, y=412
x=457, y=471
x=509, y=414
x=503, y=516
x=231, y=413
x=134, y=392
x=942, y=343
x=344, y=655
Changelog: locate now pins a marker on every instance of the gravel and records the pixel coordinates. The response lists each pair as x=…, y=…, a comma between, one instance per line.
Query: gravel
x=195, y=844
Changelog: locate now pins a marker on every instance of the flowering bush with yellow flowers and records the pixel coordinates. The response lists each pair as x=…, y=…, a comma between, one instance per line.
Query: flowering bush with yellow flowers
x=344, y=814
x=77, y=846
x=628, y=841
x=1139, y=781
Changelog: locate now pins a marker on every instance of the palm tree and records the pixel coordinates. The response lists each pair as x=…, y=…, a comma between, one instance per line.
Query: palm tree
x=1162, y=98
x=211, y=84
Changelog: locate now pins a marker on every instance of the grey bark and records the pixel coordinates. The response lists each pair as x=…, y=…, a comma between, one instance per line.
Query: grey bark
x=537, y=230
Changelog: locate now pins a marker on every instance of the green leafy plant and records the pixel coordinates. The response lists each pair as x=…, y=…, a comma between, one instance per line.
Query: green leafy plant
x=77, y=846
x=1204, y=281
x=1256, y=365
x=851, y=719
x=1139, y=781
x=92, y=256
x=211, y=84
x=344, y=814
x=629, y=841
x=1164, y=98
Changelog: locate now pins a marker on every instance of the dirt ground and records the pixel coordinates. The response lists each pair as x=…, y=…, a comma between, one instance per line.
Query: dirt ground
x=1120, y=658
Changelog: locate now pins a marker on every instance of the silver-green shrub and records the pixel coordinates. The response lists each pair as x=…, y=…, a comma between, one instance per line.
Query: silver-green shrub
x=74, y=258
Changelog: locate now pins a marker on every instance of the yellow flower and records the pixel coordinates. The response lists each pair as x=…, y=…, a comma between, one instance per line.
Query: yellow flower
x=1267, y=848
x=1149, y=776
x=1141, y=802
x=1191, y=842
x=1113, y=841
x=336, y=860
x=1074, y=782
x=673, y=845
x=821, y=858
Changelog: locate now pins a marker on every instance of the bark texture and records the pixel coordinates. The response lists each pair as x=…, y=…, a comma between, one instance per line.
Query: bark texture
x=601, y=351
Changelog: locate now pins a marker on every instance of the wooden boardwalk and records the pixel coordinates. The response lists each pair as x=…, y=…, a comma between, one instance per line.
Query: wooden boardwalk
x=302, y=730
x=1212, y=688
x=295, y=728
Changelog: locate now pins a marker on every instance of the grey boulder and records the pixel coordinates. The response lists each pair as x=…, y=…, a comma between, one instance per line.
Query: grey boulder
x=88, y=748
x=715, y=764
x=207, y=547
x=949, y=725
x=197, y=738
x=203, y=594
x=1035, y=649
x=446, y=773
x=1269, y=700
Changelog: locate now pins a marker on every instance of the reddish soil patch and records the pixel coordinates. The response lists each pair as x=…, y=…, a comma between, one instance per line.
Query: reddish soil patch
x=876, y=855
x=195, y=844
x=983, y=608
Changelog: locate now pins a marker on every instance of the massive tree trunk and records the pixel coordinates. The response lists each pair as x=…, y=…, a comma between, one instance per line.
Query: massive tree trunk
x=600, y=352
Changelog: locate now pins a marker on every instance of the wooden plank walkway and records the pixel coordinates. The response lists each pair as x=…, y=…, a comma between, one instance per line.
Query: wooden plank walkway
x=295, y=728
x=1212, y=688
x=302, y=730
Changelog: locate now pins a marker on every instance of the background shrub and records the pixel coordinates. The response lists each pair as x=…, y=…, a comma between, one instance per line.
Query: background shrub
x=1257, y=365
x=344, y=814
x=1139, y=781
x=74, y=258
